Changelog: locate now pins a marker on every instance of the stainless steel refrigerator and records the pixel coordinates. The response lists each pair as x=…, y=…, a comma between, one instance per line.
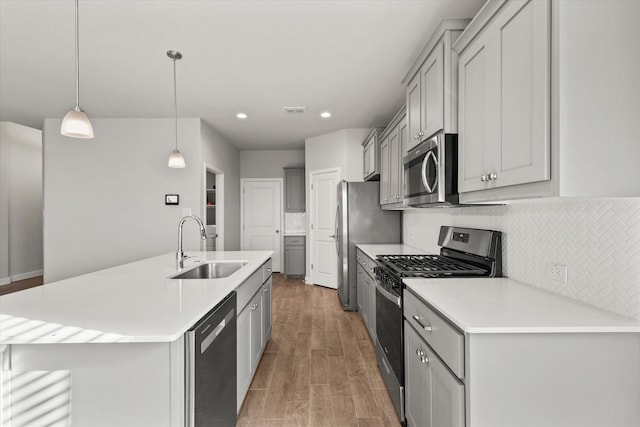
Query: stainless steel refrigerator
x=359, y=219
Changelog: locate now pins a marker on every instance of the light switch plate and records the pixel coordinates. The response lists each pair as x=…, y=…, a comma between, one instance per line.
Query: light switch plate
x=171, y=199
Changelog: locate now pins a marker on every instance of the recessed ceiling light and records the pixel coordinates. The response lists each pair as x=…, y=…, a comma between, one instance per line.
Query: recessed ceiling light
x=241, y=115
x=325, y=115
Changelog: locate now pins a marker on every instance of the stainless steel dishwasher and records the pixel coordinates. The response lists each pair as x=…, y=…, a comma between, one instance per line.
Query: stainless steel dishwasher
x=210, y=362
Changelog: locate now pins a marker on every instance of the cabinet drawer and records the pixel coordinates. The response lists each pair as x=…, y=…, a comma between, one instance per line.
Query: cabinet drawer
x=294, y=240
x=447, y=341
x=266, y=270
x=367, y=263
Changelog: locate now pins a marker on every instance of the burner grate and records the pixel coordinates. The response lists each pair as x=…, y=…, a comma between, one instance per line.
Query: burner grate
x=428, y=266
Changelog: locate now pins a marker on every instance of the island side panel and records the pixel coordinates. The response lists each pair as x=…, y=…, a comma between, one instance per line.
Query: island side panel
x=118, y=384
x=561, y=379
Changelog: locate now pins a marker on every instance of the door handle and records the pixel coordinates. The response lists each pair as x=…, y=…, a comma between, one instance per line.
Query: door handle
x=277, y=231
x=333, y=236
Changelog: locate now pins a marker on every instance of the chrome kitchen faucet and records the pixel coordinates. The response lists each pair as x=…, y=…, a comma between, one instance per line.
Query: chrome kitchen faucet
x=203, y=234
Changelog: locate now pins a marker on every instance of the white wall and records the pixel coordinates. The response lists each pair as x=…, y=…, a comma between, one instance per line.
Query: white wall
x=223, y=156
x=268, y=163
x=104, y=198
x=341, y=149
x=598, y=239
x=20, y=202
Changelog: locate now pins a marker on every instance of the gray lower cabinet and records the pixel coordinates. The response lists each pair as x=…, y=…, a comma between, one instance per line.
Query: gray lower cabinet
x=253, y=326
x=433, y=395
x=294, y=256
x=366, y=288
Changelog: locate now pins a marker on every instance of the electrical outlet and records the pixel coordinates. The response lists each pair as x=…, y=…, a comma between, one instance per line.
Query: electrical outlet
x=557, y=272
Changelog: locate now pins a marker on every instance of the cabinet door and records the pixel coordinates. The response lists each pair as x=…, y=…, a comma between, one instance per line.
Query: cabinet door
x=365, y=299
x=403, y=129
x=384, y=172
x=366, y=166
x=372, y=155
x=432, y=96
x=295, y=190
x=417, y=392
x=413, y=112
x=360, y=290
x=522, y=32
x=255, y=309
x=294, y=260
x=395, y=166
x=472, y=116
x=266, y=311
x=371, y=325
x=243, y=325
x=447, y=394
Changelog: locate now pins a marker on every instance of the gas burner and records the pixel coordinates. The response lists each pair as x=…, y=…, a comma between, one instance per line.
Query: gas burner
x=428, y=266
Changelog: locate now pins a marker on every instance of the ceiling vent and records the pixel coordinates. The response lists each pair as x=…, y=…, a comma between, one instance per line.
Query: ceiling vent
x=293, y=110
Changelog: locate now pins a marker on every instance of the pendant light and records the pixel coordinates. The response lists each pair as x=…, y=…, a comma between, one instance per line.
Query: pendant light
x=76, y=124
x=176, y=160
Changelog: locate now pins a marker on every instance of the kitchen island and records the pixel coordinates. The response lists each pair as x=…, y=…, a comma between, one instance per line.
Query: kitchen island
x=503, y=353
x=107, y=348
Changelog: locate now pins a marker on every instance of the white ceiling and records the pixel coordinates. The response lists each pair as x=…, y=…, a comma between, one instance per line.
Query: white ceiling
x=346, y=57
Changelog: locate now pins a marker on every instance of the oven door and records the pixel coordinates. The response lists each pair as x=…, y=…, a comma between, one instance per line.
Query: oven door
x=389, y=328
x=422, y=174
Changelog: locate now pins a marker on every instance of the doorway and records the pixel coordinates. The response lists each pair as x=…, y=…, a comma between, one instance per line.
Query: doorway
x=213, y=209
x=261, y=217
x=323, y=256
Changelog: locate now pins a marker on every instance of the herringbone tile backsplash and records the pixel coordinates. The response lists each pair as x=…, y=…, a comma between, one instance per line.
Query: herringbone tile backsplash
x=598, y=239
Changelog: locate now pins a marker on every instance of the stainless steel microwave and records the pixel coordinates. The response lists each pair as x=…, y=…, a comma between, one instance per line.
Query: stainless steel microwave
x=431, y=172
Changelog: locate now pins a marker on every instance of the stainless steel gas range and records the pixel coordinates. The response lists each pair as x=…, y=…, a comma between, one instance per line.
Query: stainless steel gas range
x=464, y=252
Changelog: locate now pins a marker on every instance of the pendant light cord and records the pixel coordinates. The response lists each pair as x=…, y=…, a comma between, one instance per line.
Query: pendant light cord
x=77, y=56
x=175, y=100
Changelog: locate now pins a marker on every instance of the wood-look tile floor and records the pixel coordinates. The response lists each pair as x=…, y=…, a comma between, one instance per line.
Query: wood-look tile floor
x=21, y=285
x=319, y=368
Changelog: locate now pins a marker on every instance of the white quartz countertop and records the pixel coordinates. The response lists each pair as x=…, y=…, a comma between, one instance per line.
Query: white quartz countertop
x=502, y=305
x=134, y=302
x=374, y=249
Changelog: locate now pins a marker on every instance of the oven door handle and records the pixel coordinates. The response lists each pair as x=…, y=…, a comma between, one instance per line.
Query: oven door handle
x=388, y=295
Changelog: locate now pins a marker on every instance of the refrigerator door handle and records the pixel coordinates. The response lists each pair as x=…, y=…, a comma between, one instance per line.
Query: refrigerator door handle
x=336, y=234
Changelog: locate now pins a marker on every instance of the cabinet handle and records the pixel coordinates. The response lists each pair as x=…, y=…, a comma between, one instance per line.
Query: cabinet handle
x=483, y=178
x=422, y=325
x=421, y=356
x=420, y=133
x=415, y=136
x=265, y=290
x=268, y=269
x=253, y=307
x=492, y=176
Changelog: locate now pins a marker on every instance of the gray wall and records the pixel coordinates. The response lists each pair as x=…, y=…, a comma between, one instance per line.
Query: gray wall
x=268, y=163
x=20, y=202
x=222, y=156
x=104, y=198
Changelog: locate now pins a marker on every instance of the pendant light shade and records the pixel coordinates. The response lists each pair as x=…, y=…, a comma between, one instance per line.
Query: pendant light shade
x=176, y=159
x=76, y=124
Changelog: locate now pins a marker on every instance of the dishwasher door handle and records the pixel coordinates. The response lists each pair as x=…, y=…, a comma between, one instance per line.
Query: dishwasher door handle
x=209, y=339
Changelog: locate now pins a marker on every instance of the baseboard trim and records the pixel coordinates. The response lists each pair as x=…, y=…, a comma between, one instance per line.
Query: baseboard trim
x=27, y=275
x=307, y=280
x=5, y=281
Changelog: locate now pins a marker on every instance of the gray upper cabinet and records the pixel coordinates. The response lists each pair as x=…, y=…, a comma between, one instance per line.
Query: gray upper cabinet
x=391, y=169
x=504, y=100
x=432, y=86
x=294, y=189
x=542, y=111
x=371, y=155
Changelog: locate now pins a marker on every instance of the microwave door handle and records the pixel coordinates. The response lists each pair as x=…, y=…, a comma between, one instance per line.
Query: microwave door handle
x=424, y=172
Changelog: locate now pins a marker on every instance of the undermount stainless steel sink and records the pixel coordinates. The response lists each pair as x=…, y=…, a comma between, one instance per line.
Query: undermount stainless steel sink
x=211, y=270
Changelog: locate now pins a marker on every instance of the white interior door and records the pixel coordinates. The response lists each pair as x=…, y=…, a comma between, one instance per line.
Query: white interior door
x=262, y=218
x=324, y=263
